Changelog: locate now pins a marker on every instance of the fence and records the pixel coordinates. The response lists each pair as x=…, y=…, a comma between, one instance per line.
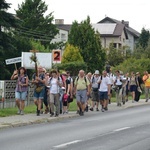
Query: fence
x=7, y=94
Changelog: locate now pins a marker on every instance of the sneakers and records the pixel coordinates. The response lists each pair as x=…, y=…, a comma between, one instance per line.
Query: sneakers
x=103, y=110
x=97, y=109
x=56, y=115
x=38, y=112
x=119, y=104
x=21, y=112
x=65, y=112
x=123, y=102
x=146, y=100
x=77, y=112
x=86, y=108
x=81, y=113
x=91, y=109
x=52, y=114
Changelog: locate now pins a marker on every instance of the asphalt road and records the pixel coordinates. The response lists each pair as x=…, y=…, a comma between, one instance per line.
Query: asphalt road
x=127, y=129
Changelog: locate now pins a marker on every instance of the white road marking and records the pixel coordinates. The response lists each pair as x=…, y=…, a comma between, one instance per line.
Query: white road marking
x=122, y=129
x=65, y=144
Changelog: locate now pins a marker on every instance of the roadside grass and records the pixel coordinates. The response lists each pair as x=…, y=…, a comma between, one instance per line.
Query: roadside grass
x=32, y=108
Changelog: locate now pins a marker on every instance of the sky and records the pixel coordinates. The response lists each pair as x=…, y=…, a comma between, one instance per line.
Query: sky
x=134, y=11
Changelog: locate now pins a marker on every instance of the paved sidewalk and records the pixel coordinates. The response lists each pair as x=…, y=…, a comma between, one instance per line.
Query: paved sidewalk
x=18, y=120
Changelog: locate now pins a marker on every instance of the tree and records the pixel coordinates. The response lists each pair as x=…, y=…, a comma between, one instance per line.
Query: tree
x=140, y=52
x=143, y=39
x=38, y=46
x=34, y=24
x=71, y=54
x=115, y=56
x=83, y=36
x=147, y=50
x=7, y=23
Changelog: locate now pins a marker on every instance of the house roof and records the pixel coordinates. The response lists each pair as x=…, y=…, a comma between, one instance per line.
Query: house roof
x=110, y=29
x=65, y=27
x=135, y=33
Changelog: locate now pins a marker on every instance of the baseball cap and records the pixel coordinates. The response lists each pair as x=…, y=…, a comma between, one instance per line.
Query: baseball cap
x=96, y=72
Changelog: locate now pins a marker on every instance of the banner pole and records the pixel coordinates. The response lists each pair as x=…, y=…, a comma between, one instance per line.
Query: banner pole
x=15, y=66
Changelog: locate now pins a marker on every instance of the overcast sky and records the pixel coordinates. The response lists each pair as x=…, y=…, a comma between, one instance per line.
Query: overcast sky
x=134, y=11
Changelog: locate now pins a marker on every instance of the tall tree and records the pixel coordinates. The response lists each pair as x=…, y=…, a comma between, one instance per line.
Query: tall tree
x=144, y=37
x=34, y=22
x=83, y=36
x=7, y=22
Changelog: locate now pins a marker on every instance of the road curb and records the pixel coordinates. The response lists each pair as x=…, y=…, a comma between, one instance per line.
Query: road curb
x=38, y=121
x=48, y=119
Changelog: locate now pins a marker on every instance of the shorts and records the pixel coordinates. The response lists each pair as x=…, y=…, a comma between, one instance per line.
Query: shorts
x=133, y=88
x=95, y=96
x=81, y=96
x=39, y=95
x=103, y=95
x=65, y=103
x=21, y=95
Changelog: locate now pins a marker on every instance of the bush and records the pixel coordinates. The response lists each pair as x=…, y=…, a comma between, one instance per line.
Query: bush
x=135, y=65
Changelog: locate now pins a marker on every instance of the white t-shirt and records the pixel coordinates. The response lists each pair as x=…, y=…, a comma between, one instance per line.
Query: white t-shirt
x=112, y=78
x=54, y=87
x=104, y=84
x=117, y=80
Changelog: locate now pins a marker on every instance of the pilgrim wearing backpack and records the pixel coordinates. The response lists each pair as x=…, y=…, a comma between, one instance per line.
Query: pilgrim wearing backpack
x=81, y=89
x=104, y=90
x=55, y=83
x=95, y=93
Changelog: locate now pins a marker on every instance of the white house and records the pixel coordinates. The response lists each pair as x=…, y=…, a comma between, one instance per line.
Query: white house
x=111, y=30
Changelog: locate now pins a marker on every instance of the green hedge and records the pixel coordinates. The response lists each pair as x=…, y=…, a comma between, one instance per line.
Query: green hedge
x=73, y=67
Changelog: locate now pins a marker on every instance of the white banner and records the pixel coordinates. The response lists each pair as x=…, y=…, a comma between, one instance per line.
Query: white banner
x=13, y=60
x=43, y=59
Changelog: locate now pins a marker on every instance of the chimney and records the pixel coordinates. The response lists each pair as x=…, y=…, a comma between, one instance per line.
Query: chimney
x=126, y=23
x=59, y=21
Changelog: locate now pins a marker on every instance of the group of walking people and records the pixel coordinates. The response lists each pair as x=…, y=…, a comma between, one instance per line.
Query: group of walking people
x=52, y=90
x=56, y=91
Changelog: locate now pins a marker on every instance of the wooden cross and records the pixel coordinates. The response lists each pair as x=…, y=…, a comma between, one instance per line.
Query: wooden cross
x=34, y=52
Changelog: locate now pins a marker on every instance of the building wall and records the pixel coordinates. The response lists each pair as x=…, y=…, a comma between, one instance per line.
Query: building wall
x=62, y=36
x=130, y=42
x=121, y=40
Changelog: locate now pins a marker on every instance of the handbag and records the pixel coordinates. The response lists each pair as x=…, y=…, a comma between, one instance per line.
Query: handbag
x=65, y=97
x=139, y=89
x=39, y=89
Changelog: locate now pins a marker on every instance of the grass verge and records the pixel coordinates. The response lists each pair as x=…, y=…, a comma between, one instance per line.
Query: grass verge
x=32, y=108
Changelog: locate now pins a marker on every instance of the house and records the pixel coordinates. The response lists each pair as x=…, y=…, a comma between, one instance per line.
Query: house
x=132, y=35
x=111, y=31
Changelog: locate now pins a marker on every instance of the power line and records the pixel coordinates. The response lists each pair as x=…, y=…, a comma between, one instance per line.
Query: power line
x=31, y=34
x=31, y=31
